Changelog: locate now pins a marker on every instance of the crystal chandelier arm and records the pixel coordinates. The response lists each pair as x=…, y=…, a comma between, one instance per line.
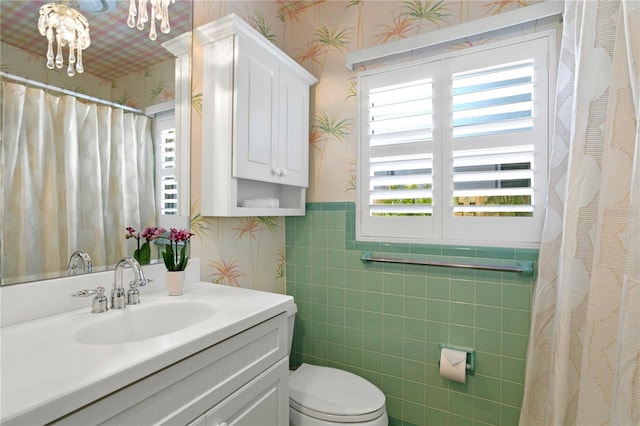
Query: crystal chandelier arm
x=131, y=20
x=72, y=55
x=164, y=25
x=70, y=69
x=142, y=14
x=79, y=66
x=59, y=59
x=50, y=63
x=152, y=25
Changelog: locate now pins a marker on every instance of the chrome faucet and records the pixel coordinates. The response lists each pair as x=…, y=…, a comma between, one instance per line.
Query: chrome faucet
x=118, y=300
x=79, y=255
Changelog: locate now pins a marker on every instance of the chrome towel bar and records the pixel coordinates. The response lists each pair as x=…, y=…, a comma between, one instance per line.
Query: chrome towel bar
x=523, y=267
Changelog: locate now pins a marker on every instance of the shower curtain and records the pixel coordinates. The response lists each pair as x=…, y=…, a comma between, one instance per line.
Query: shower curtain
x=583, y=360
x=74, y=176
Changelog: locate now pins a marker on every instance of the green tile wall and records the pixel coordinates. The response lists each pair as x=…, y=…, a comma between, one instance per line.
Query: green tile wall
x=384, y=321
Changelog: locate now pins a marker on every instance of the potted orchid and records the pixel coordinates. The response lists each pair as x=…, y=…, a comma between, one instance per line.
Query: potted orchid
x=176, y=259
x=143, y=252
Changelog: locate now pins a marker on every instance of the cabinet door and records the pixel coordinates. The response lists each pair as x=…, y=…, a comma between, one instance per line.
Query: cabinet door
x=262, y=402
x=256, y=106
x=293, y=143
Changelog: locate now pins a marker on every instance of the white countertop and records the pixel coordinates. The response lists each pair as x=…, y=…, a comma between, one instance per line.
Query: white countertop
x=45, y=373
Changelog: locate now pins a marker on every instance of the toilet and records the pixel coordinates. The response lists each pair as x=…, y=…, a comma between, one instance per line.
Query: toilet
x=323, y=396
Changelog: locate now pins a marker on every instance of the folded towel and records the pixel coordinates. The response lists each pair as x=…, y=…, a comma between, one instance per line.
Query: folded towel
x=272, y=203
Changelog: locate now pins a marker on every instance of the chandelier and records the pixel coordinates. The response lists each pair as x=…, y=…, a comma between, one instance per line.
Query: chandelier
x=159, y=11
x=67, y=27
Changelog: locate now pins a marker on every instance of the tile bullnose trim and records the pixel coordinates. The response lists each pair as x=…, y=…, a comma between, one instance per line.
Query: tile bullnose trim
x=525, y=257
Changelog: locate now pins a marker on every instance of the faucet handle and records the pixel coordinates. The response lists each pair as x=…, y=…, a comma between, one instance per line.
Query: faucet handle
x=144, y=282
x=133, y=295
x=99, y=304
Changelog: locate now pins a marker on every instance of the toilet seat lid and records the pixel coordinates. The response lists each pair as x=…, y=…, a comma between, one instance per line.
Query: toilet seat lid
x=326, y=390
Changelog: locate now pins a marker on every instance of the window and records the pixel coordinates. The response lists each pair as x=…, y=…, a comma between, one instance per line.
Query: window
x=454, y=149
x=166, y=164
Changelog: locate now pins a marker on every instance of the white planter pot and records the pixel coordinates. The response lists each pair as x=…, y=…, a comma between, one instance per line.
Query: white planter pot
x=175, y=282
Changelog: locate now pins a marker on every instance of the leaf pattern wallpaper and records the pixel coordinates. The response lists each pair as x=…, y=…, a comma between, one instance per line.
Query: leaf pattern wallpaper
x=318, y=34
x=149, y=86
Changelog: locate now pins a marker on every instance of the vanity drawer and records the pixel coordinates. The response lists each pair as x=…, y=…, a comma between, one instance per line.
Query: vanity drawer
x=179, y=393
x=263, y=401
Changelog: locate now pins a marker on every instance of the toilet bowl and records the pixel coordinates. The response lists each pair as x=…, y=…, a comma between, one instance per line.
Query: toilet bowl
x=323, y=396
x=328, y=396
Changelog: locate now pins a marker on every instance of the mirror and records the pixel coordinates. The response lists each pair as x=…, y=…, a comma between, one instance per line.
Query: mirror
x=121, y=65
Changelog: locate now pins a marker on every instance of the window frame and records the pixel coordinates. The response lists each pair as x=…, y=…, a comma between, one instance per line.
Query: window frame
x=442, y=227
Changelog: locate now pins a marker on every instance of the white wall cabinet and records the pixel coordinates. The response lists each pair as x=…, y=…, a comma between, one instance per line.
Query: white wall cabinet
x=243, y=380
x=255, y=131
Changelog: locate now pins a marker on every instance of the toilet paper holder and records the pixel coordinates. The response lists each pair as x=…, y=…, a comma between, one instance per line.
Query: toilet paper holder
x=471, y=356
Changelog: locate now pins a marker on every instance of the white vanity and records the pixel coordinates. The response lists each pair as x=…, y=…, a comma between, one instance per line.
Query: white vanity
x=216, y=355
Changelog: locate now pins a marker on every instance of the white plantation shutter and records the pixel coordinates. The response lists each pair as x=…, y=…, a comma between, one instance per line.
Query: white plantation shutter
x=400, y=171
x=488, y=101
x=456, y=149
x=398, y=128
x=497, y=145
x=167, y=173
x=166, y=164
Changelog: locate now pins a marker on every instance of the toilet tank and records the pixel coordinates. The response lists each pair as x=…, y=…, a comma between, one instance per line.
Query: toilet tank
x=291, y=317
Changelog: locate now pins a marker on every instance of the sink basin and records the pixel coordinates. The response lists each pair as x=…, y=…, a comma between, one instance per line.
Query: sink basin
x=141, y=322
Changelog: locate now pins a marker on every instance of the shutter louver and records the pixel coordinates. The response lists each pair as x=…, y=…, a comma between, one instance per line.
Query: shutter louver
x=400, y=143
